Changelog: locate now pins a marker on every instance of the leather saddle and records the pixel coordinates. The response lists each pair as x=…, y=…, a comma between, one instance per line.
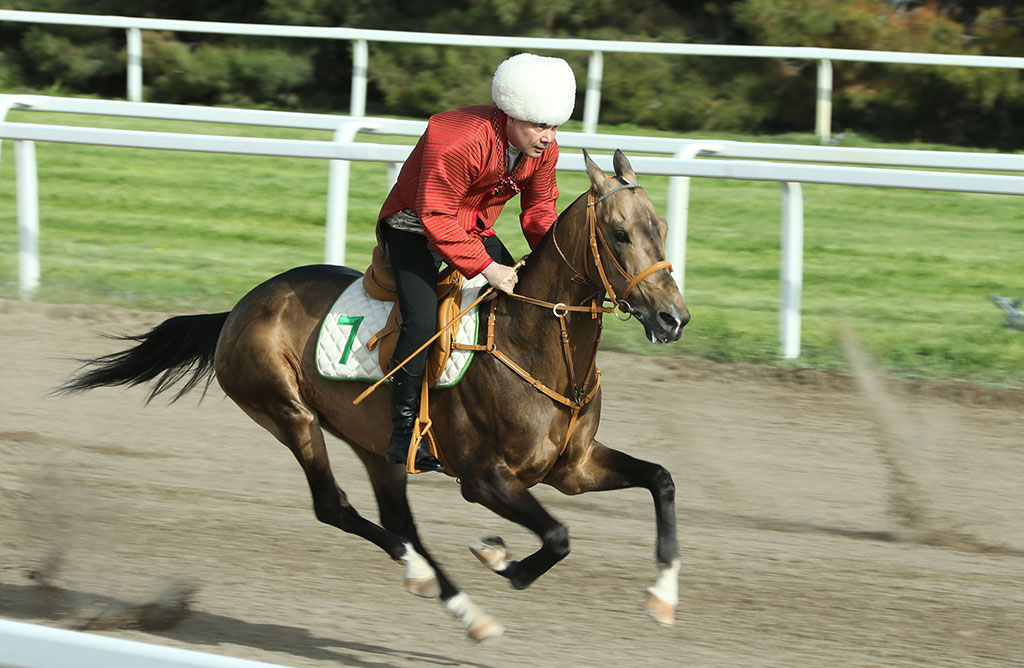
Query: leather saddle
x=379, y=283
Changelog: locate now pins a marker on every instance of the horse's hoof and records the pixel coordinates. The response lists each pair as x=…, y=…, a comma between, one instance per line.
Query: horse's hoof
x=479, y=625
x=485, y=628
x=425, y=587
x=491, y=552
x=662, y=612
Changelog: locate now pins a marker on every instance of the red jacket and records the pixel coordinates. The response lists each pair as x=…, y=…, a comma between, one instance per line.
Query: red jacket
x=451, y=180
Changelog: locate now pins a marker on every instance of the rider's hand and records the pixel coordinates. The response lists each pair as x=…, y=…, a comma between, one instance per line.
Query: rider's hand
x=501, y=276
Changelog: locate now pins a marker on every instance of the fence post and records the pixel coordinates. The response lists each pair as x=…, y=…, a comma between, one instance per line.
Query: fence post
x=134, y=65
x=679, y=211
x=360, y=66
x=791, y=272
x=823, y=107
x=592, y=102
x=28, y=218
x=28, y=205
x=394, y=169
x=337, y=193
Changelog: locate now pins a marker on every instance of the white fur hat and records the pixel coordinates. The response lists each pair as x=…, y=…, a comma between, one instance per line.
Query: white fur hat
x=535, y=88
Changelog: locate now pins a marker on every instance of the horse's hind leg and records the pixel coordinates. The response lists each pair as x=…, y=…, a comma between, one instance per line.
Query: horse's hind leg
x=389, y=486
x=602, y=468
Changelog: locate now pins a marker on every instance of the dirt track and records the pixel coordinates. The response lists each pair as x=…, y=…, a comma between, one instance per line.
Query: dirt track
x=820, y=524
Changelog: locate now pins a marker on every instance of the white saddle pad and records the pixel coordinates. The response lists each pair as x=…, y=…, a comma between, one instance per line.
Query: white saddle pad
x=341, y=351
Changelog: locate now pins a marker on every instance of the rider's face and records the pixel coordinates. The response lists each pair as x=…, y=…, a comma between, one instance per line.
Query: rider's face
x=530, y=138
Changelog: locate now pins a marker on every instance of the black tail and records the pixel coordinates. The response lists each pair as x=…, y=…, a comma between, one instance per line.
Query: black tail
x=181, y=348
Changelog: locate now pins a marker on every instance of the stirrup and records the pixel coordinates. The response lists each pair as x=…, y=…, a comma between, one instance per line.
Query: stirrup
x=422, y=462
x=425, y=461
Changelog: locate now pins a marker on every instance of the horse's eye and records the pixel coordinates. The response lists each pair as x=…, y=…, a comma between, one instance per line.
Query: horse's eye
x=621, y=236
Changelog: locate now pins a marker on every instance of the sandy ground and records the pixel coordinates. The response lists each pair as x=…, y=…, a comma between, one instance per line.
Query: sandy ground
x=821, y=522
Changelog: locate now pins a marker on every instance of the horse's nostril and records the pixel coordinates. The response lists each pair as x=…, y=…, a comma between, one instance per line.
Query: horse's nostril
x=672, y=322
x=669, y=321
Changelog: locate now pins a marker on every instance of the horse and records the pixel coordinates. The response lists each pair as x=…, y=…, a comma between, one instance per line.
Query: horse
x=498, y=435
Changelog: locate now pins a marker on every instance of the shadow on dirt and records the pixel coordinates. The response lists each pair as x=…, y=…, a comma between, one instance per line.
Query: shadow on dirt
x=947, y=539
x=171, y=616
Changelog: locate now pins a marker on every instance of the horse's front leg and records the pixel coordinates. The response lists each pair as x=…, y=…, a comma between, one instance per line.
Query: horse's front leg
x=601, y=468
x=506, y=495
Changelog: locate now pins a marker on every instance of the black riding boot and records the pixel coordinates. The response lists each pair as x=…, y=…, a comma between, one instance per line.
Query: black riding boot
x=405, y=406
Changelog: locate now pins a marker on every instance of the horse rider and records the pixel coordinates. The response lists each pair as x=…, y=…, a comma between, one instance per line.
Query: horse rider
x=463, y=170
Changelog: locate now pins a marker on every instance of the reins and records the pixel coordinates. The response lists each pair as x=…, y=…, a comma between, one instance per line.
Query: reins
x=582, y=393
x=581, y=396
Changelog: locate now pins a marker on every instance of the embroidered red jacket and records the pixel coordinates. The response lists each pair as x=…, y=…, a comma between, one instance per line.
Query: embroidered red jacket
x=451, y=181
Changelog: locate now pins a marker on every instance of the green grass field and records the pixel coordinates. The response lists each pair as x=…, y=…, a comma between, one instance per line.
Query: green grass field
x=187, y=232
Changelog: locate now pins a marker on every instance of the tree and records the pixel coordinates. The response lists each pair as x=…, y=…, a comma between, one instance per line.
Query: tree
x=965, y=105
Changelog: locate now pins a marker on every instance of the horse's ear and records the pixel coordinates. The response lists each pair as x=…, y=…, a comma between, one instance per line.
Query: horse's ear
x=597, y=176
x=623, y=169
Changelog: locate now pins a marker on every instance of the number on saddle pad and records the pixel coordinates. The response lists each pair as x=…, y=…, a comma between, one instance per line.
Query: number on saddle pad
x=358, y=336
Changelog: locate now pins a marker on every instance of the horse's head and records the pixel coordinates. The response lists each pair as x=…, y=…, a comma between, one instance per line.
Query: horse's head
x=628, y=242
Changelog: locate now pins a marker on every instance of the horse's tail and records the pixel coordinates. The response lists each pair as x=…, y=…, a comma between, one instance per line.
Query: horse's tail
x=181, y=348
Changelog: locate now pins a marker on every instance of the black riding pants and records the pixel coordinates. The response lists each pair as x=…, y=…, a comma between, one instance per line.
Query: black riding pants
x=416, y=266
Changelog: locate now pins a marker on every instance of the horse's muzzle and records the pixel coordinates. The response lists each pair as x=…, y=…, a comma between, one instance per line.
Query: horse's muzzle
x=672, y=323
x=666, y=326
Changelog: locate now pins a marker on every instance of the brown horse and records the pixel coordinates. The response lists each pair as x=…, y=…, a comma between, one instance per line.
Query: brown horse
x=498, y=434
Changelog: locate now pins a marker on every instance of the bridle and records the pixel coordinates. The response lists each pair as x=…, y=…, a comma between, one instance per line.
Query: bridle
x=582, y=393
x=596, y=241
x=595, y=234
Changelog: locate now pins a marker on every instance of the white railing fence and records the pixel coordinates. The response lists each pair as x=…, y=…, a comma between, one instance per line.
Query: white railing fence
x=345, y=128
x=361, y=38
x=681, y=166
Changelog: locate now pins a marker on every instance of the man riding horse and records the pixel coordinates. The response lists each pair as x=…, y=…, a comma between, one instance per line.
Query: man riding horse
x=465, y=167
x=500, y=436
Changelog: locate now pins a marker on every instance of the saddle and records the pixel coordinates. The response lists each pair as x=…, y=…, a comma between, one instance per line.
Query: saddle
x=379, y=283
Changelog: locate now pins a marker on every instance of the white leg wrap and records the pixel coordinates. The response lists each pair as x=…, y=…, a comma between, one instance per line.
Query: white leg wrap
x=663, y=597
x=420, y=578
x=667, y=586
x=479, y=625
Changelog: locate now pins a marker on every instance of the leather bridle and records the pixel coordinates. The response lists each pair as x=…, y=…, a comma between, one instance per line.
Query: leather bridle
x=583, y=392
x=596, y=236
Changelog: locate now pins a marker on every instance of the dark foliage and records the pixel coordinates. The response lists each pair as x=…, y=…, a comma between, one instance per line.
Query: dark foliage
x=970, y=106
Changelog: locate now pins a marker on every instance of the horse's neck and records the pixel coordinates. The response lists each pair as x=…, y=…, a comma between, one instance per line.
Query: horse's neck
x=549, y=276
x=559, y=259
